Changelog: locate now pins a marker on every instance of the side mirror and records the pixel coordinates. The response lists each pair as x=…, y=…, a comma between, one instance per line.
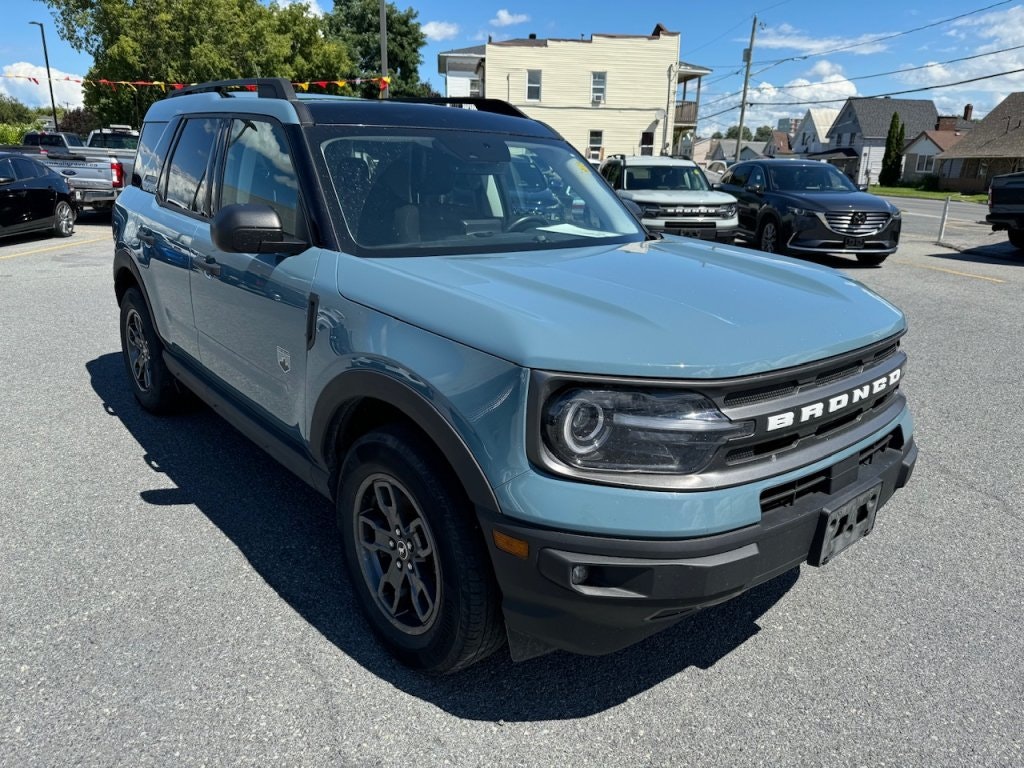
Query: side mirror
x=6, y=179
x=716, y=185
x=757, y=189
x=252, y=228
x=862, y=187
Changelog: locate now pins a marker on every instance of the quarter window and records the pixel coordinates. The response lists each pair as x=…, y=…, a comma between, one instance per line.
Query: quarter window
x=533, y=85
x=258, y=169
x=188, y=177
x=152, y=148
x=6, y=169
x=598, y=82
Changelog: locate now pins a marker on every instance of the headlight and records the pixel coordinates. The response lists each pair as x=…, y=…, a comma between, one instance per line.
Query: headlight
x=896, y=212
x=650, y=211
x=728, y=211
x=801, y=212
x=635, y=430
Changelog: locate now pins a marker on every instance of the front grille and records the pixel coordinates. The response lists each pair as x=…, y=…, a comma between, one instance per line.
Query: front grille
x=857, y=223
x=689, y=211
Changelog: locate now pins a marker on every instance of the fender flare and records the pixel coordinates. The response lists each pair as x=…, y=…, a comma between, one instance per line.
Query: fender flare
x=123, y=261
x=330, y=413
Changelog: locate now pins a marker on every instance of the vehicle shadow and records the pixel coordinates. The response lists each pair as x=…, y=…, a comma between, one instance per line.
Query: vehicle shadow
x=994, y=253
x=287, y=533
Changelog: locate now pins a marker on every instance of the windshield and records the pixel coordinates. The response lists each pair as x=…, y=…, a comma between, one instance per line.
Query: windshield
x=114, y=140
x=665, y=177
x=403, y=191
x=820, y=177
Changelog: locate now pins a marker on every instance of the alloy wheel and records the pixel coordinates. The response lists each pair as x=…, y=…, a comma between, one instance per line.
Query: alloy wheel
x=64, y=218
x=138, y=351
x=769, y=235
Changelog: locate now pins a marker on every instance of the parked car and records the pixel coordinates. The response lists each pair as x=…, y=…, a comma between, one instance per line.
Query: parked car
x=559, y=432
x=673, y=195
x=805, y=206
x=33, y=198
x=1006, y=207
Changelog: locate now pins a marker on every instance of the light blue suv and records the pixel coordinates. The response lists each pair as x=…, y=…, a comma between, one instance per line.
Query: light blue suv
x=540, y=425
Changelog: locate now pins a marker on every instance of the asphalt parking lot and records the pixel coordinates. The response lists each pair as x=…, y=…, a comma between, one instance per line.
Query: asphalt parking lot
x=170, y=596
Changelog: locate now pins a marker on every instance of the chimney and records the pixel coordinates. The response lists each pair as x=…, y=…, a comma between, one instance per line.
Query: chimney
x=947, y=123
x=968, y=111
x=533, y=35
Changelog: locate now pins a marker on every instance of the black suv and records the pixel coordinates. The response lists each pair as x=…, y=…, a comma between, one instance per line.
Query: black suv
x=805, y=206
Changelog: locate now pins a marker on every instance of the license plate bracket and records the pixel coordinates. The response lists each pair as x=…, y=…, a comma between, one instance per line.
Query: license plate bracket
x=843, y=525
x=853, y=243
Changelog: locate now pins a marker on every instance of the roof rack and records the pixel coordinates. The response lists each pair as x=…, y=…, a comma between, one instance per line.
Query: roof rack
x=266, y=87
x=495, y=106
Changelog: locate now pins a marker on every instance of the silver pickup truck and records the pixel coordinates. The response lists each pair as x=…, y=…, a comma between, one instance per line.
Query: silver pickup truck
x=96, y=174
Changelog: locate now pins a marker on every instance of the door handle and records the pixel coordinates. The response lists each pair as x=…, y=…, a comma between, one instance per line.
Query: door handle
x=208, y=265
x=146, y=237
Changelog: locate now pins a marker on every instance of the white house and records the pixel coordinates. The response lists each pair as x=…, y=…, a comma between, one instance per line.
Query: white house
x=811, y=136
x=606, y=94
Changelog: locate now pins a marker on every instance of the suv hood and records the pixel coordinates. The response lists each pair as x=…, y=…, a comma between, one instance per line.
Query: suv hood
x=656, y=309
x=837, y=201
x=677, y=196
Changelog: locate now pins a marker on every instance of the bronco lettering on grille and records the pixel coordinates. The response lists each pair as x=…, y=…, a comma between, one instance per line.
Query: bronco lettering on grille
x=833, y=404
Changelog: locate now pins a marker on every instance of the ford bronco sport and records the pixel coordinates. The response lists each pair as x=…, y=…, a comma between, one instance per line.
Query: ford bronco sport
x=551, y=430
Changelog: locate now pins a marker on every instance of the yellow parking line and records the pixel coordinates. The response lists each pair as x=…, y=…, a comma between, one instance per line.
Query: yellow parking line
x=951, y=272
x=53, y=247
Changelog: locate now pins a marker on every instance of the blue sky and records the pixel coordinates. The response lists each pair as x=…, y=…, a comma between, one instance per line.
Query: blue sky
x=803, y=52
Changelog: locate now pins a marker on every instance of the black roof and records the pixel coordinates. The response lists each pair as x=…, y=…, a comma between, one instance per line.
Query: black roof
x=399, y=114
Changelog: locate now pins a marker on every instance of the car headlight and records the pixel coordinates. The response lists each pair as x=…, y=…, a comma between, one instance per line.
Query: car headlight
x=622, y=430
x=728, y=211
x=650, y=211
x=896, y=213
x=801, y=212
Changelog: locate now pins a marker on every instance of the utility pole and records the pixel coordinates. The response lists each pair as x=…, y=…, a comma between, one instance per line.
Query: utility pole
x=386, y=92
x=49, y=80
x=748, y=55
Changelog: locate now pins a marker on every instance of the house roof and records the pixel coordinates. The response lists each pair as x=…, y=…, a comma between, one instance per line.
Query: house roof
x=729, y=147
x=473, y=50
x=874, y=115
x=821, y=120
x=781, y=141
x=941, y=139
x=1000, y=134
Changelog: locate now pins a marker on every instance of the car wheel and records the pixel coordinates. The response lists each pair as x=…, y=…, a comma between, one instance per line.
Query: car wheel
x=768, y=236
x=871, y=259
x=415, y=555
x=1016, y=238
x=63, y=219
x=152, y=383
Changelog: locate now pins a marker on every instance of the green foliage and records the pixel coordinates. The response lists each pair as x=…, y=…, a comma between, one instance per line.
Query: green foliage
x=11, y=133
x=763, y=133
x=717, y=135
x=930, y=183
x=734, y=131
x=892, y=160
x=13, y=111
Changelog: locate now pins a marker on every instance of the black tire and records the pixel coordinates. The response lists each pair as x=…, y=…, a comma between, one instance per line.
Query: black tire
x=152, y=383
x=428, y=590
x=769, y=236
x=871, y=259
x=1016, y=238
x=63, y=219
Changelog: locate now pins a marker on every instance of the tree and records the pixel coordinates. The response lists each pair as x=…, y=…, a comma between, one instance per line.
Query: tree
x=14, y=112
x=716, y=135
x=80, y=121
x=763, y=133
x=190, y=41
x=892, y=160
x=356, y=23
x=734, y=131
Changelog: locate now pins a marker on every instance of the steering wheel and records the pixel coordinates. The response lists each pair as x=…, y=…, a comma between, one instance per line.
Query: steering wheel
x=520, y=223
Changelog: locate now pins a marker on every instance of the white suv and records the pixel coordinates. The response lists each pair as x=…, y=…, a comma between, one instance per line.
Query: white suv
x=674, y=196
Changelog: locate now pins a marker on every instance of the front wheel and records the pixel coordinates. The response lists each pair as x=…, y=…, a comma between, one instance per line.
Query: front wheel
x=63, y=219
x=871, y=259
x=768, y=238
x=415, y=555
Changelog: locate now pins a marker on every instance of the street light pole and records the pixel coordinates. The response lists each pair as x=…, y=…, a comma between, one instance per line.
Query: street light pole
x=49, y=80
x=385, y=92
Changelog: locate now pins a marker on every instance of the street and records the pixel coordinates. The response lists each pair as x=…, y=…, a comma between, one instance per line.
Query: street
x=172, y=596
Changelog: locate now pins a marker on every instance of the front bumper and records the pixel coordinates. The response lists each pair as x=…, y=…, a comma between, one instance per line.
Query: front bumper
x=809, y=234
x=633, y=588
x=704, y=228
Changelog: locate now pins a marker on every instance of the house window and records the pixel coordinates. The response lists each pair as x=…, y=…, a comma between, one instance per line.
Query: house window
x=474, y=88
x=533, y=85
x=925, y=163
x=647, y=143
x=598, y=81
x=594, y=145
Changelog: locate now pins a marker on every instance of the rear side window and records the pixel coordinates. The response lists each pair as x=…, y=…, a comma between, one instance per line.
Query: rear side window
x=258, y=169
x=188, y=181
x=26, y=169
x=6, y=169
x=149, y=159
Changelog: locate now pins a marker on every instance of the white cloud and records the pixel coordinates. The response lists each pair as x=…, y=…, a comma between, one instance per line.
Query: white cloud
x=440, y=30
x=786, y=36
x=313, y=5
x=507, y=19
x=36, y=94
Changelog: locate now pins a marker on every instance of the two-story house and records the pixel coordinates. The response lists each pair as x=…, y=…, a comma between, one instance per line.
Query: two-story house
x=863, y=125
x=811, y=136
x=606, y=94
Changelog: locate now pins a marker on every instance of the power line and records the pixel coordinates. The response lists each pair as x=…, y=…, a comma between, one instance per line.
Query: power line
x=882, y=95
x=733, y=108
x=730, y=29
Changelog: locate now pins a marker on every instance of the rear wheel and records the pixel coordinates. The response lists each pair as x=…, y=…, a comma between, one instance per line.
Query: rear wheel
x=1016, y=238
x=415, y=555
x=871, y=259
x=63, y=219
x=152, y=383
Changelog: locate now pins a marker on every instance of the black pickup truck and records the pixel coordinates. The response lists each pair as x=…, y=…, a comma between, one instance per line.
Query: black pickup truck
x=1006, y=207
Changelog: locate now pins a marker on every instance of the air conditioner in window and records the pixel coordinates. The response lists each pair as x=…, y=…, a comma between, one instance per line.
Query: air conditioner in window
x=598, y=98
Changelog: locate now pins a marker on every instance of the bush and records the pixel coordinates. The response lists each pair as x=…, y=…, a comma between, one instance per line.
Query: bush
x=11, y=134
x=930, y=183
